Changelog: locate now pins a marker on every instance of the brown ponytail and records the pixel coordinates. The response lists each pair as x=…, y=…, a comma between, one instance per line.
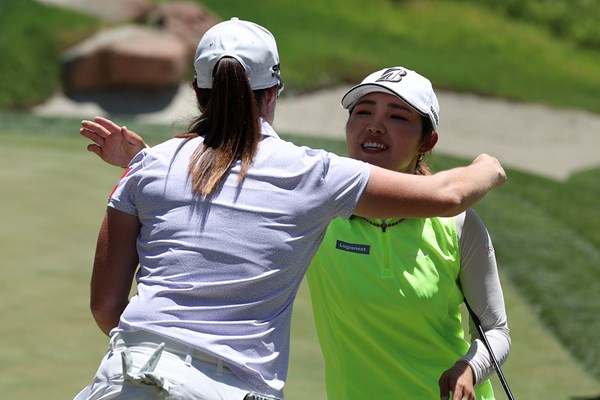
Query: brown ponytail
x=229, y=124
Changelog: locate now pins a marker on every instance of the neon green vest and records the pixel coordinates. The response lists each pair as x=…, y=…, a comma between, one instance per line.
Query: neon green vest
x=386, y=308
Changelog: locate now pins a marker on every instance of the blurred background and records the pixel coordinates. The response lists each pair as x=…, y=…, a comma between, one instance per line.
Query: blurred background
x=62, y=60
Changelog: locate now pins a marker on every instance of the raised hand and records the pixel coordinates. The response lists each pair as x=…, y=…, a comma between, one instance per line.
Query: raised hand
x=114, y=144
x=494, y=165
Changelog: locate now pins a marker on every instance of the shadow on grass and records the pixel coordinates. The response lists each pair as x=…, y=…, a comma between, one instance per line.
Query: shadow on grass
x=128, y=101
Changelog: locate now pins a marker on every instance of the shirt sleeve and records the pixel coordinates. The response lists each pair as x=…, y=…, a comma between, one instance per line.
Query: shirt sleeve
x=123, y=196
x=347, y=179
x=482, y=290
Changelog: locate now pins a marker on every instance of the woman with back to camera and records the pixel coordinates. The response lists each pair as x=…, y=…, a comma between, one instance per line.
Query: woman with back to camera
x=223, y=222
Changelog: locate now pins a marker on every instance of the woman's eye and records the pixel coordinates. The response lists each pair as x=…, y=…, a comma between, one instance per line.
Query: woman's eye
x=399, y=117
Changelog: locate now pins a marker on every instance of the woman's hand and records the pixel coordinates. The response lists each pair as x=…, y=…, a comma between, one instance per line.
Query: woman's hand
x=114, y=144
x=498, y=175
x=459, y=380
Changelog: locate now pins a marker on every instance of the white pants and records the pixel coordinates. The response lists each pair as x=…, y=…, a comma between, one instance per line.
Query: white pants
x=138, y=367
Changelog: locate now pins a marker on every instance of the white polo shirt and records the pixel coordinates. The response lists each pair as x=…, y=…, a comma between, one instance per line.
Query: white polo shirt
x=220, y=274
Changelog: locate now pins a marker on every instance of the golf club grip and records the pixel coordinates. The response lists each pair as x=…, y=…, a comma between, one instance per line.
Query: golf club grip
x=489, y=349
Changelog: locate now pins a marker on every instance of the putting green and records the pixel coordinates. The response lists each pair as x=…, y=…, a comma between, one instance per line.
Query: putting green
x=53, y=199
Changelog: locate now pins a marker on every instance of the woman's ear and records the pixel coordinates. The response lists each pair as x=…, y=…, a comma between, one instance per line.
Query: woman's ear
x=271, y=95
x=267, y=106
x=429, y=143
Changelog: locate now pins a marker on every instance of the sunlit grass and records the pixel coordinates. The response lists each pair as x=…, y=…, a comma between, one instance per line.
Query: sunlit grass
x=54, y=197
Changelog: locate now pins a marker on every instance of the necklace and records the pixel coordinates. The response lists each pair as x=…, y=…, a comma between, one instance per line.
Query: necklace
x=384, y=224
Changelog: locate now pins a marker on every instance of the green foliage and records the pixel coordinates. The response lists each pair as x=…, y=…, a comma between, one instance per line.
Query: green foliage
x=33, y=37
x=575, y=20
x=460, y=47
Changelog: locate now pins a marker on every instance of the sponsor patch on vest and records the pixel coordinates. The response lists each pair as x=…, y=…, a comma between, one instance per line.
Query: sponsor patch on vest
x=352, y=247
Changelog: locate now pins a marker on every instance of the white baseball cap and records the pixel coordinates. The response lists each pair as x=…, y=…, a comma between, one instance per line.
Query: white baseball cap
x=414, y=89
x=251, y=44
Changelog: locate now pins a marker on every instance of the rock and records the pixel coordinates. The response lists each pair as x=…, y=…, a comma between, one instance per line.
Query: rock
x=188, y=20
x=126, y=57
x=109, y=10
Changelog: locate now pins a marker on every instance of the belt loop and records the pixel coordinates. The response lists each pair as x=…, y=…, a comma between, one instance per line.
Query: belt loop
x=111, y=343
x=188, y=356
x=219, y=367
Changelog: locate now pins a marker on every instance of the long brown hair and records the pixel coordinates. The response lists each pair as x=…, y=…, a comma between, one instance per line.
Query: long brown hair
x=229, y=123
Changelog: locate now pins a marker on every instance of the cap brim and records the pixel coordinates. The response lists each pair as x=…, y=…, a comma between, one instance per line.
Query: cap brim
x=358, y=91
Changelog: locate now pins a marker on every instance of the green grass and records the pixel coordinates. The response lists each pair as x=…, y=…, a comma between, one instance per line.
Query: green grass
x=575, y=20
x=55, y=195
x=53, y=201
x=33, y=37
x=547, y=242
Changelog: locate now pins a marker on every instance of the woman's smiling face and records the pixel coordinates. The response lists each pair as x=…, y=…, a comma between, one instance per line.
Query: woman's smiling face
x=384, y=130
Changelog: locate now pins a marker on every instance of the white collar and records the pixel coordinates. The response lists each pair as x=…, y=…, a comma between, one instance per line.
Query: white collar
x=266, y=129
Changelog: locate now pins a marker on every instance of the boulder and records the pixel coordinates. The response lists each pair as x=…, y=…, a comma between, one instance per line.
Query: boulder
x=186, y=19
x=109, y=10
x=130, y=56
